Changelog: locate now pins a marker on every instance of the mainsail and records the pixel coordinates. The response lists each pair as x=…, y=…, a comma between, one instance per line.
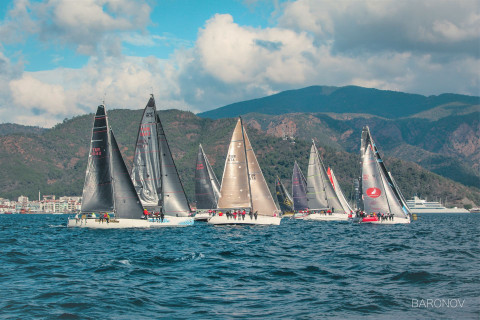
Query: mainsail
x=299, y=189
x=338, y=190
x=156, y=177
x=283, y=197
x=98, y=189
x=146, y=173
x=321, y=194
x=243, y=183
x=107, y=184
x=207, y=188
x=235, y=189
x=379, y=194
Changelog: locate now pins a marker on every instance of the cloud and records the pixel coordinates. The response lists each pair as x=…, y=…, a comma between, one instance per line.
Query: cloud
x=428, y=26
x=91, y=27
x=372, y=44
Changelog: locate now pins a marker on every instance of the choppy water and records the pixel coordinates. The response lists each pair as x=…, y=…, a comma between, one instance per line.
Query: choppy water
x=298, y=270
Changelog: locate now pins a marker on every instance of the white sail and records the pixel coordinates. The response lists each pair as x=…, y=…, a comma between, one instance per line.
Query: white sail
x=316, y=193
x=262, y=200
x=378, y=190
x=341, y=197
x=235, y=189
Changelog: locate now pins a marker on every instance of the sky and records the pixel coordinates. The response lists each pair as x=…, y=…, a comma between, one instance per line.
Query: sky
x=62, y=58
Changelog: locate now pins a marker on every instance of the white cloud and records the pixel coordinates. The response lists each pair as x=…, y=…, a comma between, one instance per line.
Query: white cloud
x=91, y=27
x=338, y=43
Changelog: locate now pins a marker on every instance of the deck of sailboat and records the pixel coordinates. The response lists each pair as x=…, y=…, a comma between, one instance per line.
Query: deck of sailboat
x=260, y=220
x=327, y=217
x=130, y=223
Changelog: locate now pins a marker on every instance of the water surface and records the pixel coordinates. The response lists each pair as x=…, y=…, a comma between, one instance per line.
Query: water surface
x=298, y=270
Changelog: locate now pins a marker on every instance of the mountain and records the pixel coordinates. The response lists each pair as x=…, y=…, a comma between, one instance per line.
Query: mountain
x=449, y=146
x=12, y=128
x=349, y=99
x=54, y=161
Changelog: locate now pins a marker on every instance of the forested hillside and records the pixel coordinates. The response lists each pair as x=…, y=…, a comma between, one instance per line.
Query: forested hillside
x=54, y=162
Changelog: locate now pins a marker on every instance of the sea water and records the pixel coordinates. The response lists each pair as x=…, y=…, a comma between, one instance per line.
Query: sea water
x=298, y=270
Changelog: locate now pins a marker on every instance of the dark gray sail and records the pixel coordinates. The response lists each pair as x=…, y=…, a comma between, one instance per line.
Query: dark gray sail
x=299, y=189
x=146, y=174
x=284, y=199
x=127, y=203
x=98, y=189
x=207, y=189
x=174, y=200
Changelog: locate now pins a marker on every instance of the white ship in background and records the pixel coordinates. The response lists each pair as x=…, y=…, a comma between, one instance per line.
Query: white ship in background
x=417, y=205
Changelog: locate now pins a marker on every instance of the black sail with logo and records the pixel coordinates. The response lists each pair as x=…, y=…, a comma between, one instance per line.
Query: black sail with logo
x=98, y=189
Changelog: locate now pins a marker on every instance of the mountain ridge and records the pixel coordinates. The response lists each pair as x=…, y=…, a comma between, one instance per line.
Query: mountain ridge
x=347, y=99
x=54, y=162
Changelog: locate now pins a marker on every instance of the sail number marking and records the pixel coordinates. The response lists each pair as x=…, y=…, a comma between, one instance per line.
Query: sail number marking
x=96, y=152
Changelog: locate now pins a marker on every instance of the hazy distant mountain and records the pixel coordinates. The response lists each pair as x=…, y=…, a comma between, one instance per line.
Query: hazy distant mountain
x=349, y=99
x=54, y=162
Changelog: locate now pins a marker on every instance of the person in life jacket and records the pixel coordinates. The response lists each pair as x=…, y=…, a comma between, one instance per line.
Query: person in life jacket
x=145, y=213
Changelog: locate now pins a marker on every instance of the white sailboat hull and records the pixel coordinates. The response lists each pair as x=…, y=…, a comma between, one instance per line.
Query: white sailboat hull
x=327, y=217
x=261, y=220
x=131, y=223
x=202, y=216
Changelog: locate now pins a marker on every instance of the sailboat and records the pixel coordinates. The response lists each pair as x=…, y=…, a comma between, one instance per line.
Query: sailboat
x=207, y=188
x=284, y=198
x=299, y=192
x=107, y=188
x=379, y=191
x=244, y=186
x=338, y=190
x=321, y=195
x=155, y=175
